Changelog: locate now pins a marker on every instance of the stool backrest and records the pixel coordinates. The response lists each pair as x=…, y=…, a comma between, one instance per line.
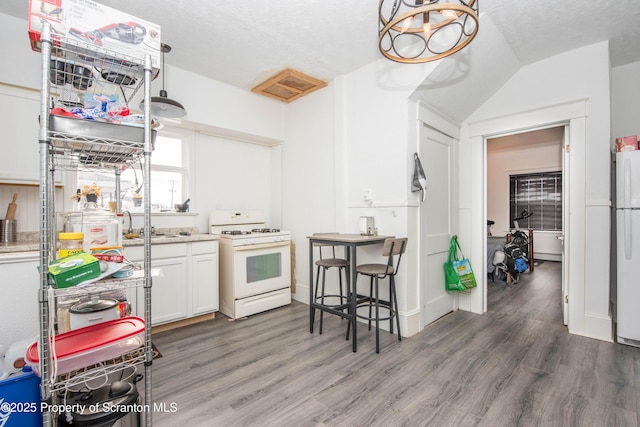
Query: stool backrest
x=394, y=247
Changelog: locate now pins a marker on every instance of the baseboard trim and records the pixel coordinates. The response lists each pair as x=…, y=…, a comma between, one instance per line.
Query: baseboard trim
x=183, y=322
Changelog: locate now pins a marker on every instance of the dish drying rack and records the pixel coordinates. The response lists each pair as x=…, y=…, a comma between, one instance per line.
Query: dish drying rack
x=72, y=72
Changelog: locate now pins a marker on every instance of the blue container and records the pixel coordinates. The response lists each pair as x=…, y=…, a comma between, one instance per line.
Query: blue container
x=20, y=400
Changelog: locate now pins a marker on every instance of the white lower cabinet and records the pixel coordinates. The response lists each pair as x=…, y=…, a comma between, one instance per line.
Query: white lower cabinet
x=184, y=277
x=204, y=266
x=19, y=289
x=168, y=299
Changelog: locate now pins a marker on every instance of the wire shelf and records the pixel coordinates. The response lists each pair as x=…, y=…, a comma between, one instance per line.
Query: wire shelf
x=93, y=125
x=98, y=371
x=105, y=286
x=78, y=143
x=78, y=68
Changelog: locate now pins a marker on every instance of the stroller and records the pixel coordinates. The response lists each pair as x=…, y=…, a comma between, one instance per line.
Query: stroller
x=513, y=259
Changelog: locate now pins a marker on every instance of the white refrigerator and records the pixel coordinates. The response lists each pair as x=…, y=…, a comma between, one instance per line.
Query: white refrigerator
x=628, y=247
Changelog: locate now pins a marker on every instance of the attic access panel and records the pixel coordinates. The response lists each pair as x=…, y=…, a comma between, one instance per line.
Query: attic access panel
x=288, y=85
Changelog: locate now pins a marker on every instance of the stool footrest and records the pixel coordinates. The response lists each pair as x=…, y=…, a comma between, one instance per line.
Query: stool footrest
x=344, y=301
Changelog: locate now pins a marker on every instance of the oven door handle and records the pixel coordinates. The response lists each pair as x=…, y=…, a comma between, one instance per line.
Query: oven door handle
x=262, y=246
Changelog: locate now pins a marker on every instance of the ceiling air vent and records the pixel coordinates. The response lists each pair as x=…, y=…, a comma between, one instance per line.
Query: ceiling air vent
x=288, y=85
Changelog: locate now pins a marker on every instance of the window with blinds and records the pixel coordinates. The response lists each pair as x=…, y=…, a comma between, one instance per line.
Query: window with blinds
x=540, y=193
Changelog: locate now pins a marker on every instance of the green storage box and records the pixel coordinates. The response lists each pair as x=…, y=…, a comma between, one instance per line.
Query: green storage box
x=74, y=269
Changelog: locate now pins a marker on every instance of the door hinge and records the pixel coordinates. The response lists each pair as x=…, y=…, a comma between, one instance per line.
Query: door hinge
x=566, y=299
x=566, y=148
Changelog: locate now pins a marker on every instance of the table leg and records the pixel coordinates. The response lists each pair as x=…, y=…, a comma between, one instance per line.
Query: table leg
x=312, y=310
x=354, y=298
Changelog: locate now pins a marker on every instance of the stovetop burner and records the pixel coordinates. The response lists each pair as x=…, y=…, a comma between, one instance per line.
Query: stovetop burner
x=234, y=232
x=265, y=230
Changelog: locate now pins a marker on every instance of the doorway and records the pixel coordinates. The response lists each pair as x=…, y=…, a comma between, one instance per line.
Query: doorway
x=524, y=171
x=586, y=301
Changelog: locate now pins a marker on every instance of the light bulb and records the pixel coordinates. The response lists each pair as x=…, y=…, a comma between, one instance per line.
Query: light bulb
x=406, y=24
x=426, y=27
x=449, y=14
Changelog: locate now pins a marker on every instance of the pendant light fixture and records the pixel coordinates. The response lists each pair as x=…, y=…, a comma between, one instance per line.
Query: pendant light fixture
x=416, y=31
x=163, y=106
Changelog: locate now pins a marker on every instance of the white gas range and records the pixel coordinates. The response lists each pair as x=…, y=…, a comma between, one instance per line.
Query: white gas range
x=255, y=263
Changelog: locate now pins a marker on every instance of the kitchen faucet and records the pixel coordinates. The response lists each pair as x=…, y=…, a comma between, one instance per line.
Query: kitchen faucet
x=153, y=230
x=130, y=229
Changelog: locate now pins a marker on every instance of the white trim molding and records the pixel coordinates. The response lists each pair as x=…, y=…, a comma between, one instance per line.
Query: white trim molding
x=586, y=317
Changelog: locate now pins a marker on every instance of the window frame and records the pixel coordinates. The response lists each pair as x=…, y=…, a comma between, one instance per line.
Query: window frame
x=186, y=138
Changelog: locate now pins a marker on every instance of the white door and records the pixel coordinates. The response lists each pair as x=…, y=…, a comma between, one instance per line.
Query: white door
x=436, y=223
x=564, y=237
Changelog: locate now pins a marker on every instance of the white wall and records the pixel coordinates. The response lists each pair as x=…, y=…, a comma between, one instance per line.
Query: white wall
x=358, y=134
x=581, y=74
x=310, y=178
x=222, y=107
x=230, y=175
x=625, y=106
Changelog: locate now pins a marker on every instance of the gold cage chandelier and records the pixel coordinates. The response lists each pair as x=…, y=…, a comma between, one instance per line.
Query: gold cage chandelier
x=416, y=31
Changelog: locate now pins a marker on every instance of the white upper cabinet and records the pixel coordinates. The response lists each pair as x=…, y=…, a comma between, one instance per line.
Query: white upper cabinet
x=19, y=109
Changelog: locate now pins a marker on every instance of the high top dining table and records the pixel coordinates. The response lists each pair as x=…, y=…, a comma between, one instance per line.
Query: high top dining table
x=351, y=242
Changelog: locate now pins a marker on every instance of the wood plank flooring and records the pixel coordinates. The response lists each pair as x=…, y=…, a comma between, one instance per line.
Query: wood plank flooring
x=515, y=365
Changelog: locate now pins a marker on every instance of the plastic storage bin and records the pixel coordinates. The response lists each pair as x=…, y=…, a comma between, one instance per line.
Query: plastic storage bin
x=20, y=397
x=93, y=344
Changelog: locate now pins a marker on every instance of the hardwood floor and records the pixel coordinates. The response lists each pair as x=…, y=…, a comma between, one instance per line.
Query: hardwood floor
x=514, y=365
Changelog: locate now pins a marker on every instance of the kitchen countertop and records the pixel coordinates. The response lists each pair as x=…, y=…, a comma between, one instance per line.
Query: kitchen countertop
x=34, y=245
x=170, y=238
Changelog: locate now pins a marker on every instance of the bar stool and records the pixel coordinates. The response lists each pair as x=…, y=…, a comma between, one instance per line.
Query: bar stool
x=325, y=264
x=391, y=249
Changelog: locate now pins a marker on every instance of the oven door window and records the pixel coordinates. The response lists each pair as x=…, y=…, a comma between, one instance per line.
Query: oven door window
x=257, y=270
x=264, y=267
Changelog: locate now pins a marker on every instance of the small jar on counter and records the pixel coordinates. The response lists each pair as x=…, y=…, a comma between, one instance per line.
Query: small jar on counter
x=70, y=244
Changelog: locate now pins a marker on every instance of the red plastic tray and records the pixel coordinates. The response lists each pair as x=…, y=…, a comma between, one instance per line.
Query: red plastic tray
x=90, y=337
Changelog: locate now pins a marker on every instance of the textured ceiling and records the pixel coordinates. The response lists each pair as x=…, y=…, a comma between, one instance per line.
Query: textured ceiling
x=244, y=43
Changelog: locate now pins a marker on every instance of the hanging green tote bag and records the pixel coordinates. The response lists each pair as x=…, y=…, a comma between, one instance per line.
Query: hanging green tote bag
x=458, y=273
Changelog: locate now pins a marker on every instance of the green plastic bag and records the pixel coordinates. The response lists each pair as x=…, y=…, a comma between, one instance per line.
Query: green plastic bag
x=458, y=272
